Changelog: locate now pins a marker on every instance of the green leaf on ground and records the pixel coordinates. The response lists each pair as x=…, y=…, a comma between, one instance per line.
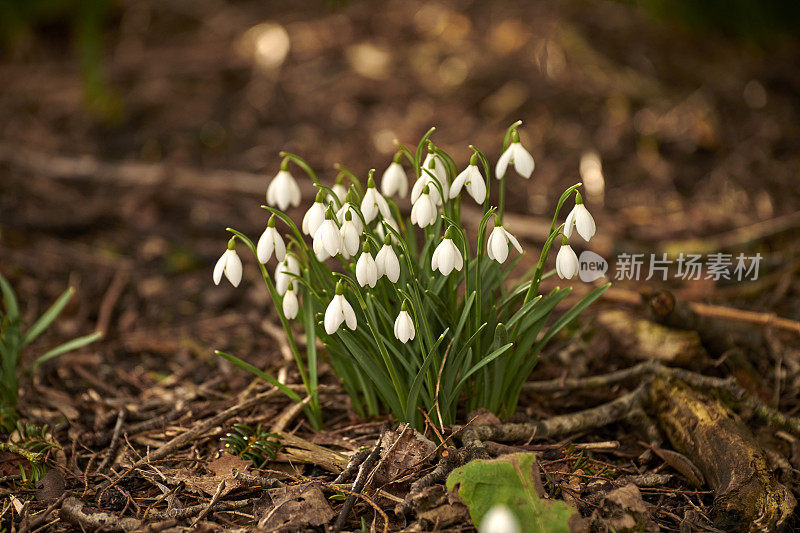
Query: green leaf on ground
x=511, y=480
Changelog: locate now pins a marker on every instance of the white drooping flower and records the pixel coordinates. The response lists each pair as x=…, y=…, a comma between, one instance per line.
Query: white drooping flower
x=366, y=269
x=387, y=262
x=431, y=171
x=373, y=203
x=315, y=215
x=270, y=241
x=284, y=273
x=350, y=208
x=517, y=156
x=499, y=519
x=382, y=232
x=327, y=239
x=424, y=212
x=471, y=179
x=404, y=326
x=394, y=179
x=497, y=245
x=447, y=256
x=283, y=190
x=581, y=220
x=567, y=264
x=338, y=311
x=230, y=265
x=349, y=235
x=338, y=189
x=435, y=164
x=290, y=303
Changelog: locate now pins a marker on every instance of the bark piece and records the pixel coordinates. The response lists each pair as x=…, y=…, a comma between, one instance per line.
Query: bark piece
x=747, y=496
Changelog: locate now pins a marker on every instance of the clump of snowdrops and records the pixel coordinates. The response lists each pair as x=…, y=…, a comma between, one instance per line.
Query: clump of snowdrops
x=411, y=316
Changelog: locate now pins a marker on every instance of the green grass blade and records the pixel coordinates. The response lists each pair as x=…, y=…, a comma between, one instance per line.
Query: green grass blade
x=47, y=318
x=244, y=365
x=74, y=344
x=12, y=307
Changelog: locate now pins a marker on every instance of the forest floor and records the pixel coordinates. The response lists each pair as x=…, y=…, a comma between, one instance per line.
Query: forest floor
x=699, y=142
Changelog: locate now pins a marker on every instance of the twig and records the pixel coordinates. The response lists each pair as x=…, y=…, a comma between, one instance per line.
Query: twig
x=358, y=485
x=110, y=298
x=112, y=448
x=363, y=497
x=288, y=414
x=256, y=481
x=603, y=380
x=41, y=517
x=768, y=414
x=188, y=436
x=558, y=425
x=211, y=503
x=352, y=467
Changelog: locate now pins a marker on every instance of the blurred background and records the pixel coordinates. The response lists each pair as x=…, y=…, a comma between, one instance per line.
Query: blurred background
x=133, y=133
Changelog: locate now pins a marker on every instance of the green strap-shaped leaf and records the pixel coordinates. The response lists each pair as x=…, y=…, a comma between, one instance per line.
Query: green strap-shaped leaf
x=47, y=318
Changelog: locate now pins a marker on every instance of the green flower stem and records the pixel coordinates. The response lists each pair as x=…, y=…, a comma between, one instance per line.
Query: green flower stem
x=537, y=276
x=314, y=417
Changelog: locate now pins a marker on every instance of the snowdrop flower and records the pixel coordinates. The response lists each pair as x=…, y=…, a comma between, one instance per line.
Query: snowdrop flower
x=270, y=241
x=230, y=265
x=404, y=326
x=497, y=245
x=373, y=203
x=517, y=156
x=393, y=179
x=283, y=190
x=499, y=519
x=285, y=271
x=315, y=215
x=290, y=303
x=435, y=165
x=566, y=261
x=429, y=180
x=338, y=311
x=339, y=189
x=327, y=239
x=471, y=179
x=366, y=269
x=447, y=256
x=350, y=208
x=424, y=212
x=383, y=232
x=581, y=219
x=387, y=263
x=349, y=235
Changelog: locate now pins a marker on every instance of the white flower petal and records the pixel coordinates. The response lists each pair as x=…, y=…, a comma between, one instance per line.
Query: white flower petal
x=459, y=182
x=219, y=267
x=502, y=163
x=349, y=239
x=584, y=222
x=290, y=305
x=366, y=270
x=349, y=314
x=458, y=262
x=476, y=187
x=499, y=519
x=233, y=268
x=391, y=265
x=334, y=315
x=523, y=160
x=566, y=262
x=513, y=240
